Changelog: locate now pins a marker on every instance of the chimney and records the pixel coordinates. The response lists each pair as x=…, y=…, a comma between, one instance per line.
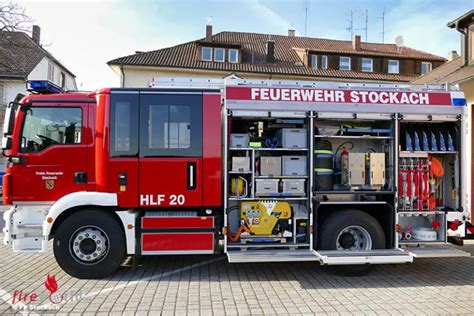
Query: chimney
x=208, y=33
x=356, y=42
x=291, y=32
x=35, y=35
x=452, y=55
x=270, y=51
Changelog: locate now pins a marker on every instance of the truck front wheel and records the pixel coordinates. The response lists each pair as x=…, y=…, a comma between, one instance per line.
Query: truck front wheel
x=351, y=230
x=89, y=244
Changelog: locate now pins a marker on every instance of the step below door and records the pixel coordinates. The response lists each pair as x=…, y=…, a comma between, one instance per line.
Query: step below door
x=377, y=256
x=238, y=256
x=441, y=250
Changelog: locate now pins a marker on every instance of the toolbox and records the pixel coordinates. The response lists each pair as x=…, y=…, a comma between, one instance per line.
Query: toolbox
x=294, y=166
x=377, y=169
x=241, y=164
x=293, y=138
x=266, y=187
x=239, y=140
x=294, y=187
x=270, y=166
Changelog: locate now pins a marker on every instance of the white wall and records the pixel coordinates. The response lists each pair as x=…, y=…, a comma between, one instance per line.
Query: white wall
x=41, y=73
x=11, y=89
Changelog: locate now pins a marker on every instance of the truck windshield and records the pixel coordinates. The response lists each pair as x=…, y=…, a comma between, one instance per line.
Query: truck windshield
x=46, y=126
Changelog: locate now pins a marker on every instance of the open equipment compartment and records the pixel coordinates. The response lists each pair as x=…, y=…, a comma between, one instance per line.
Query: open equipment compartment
x=429, y=181
x=268, y=180
x=360, y=172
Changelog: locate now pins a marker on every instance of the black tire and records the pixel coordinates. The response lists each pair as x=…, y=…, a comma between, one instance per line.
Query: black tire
x=111, y=232
x=333, y=225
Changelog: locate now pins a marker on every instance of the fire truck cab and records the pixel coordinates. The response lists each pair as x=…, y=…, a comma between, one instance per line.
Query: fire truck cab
x=341, y=174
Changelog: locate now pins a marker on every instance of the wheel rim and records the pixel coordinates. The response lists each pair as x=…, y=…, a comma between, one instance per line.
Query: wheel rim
x=354, y=238
x=89, y=245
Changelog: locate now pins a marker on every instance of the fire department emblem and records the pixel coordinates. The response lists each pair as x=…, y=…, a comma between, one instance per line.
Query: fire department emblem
x=49, y=184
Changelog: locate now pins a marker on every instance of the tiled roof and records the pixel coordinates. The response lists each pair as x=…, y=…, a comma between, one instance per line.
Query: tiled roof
x=451, y=72
x=19, y=55
x=254, y=50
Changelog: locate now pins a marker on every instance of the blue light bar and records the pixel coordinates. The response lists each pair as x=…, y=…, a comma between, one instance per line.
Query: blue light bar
x=42, y=86
x=459, y=102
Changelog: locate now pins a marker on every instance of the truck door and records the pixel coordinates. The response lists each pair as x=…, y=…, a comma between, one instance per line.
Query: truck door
x=53, y=152
x=170, y=163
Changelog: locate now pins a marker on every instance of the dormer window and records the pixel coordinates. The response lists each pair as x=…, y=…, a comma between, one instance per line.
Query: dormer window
x=219, y=54
x=367, y=64
x=233, y=56
x=393, y=67
x=314, y=61
x=206, y=54
x=324, y=62
x=425, y=67
x=344, y=63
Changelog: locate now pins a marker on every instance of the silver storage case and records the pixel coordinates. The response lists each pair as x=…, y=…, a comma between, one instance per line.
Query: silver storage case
x=266, y=187
x=241, y=164
x=270, y=166
x=294, y=187
x=293, y=138
x=294, y=166
x=239, y=140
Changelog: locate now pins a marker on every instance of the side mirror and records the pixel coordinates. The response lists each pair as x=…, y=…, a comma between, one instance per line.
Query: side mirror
x=7, y=143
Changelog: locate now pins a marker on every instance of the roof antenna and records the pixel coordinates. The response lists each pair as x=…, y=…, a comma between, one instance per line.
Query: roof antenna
x=305, y=17
x=383, y=26
x=350, y=20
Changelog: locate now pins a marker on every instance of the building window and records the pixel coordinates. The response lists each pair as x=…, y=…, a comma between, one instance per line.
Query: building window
x=367, y=64
x=425, y=67
x=63, y=80
x=314, y=61
x=233, y=56
x=324, y=62
x=51, y=72
x=344, y=63
x=206, y=54
x=393, y=67
x=219, y=54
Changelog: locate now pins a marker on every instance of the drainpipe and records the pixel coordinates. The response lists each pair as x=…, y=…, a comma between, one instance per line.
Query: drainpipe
x=122, y=76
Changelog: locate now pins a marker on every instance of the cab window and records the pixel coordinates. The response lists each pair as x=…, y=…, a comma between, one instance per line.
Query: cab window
x=47, y=126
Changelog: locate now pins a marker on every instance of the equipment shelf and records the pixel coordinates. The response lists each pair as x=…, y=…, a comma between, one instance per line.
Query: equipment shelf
x=238, y=245
x=270, y=149
x=281, y=177
x=353, y=137
x=351, y=192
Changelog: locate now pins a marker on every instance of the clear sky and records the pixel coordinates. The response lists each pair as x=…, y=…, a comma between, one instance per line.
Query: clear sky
x=86, y=34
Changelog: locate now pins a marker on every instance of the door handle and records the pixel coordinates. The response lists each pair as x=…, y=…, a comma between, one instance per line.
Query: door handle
x=191, y=175
x=80, y=177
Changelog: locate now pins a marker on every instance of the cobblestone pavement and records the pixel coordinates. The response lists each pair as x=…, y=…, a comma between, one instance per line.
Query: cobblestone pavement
x=209, y=285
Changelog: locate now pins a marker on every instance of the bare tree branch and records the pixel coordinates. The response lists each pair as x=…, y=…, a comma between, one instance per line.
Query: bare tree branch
x=13, y=18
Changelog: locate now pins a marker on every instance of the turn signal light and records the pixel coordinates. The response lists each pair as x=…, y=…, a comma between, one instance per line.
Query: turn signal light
x=49, y=220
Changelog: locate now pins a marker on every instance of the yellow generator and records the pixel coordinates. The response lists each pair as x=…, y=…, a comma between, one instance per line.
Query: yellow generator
x=265, y=217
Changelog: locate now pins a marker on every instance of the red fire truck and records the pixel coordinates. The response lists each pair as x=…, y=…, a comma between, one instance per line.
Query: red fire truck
x=341, y=174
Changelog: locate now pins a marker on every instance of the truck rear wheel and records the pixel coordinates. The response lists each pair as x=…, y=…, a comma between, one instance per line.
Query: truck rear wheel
x=89, y=244
x=351, y=230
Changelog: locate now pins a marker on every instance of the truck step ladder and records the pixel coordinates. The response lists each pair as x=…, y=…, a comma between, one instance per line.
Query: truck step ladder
x=440, y=250
x=250, y=256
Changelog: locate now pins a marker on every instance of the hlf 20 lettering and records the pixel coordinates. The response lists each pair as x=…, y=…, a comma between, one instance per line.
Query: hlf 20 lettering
x=160, y=199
